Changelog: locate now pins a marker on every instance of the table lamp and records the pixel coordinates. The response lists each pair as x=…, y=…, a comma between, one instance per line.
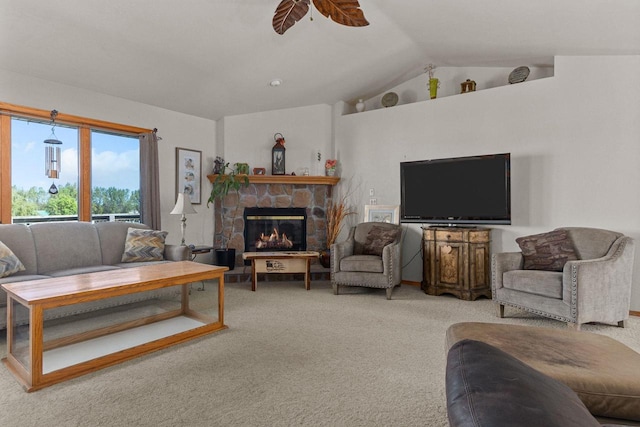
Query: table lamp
x=183, y=207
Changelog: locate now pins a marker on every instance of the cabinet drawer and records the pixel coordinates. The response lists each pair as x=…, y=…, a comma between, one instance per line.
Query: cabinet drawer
x=480, y=236
x=428, y=234
x=449, y=236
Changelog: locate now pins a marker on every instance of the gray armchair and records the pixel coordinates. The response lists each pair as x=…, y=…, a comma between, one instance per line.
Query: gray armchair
x=370, y=257
x=595, y=287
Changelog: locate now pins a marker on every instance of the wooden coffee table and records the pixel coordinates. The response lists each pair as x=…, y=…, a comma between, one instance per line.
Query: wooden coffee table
x=37, y=364
x=281, y=262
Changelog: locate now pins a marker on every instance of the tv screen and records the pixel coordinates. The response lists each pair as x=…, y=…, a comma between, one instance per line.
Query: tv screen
x=461, y=190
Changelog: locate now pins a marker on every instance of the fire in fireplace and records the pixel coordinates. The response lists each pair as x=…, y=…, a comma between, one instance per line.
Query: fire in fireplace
x=273, y=241
x=275, y=229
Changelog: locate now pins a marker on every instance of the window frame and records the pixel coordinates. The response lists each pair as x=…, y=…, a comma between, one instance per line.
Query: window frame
x=84, y=125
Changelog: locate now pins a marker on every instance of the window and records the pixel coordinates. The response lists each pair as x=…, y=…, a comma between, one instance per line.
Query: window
x=100, y=168
x=115, y=177
x=34, y=196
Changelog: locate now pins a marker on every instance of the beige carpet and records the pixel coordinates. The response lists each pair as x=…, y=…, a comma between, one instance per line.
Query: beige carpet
x=289, y=357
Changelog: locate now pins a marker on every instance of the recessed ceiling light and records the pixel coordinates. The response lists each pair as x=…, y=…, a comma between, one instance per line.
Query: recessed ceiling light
x=275, y=82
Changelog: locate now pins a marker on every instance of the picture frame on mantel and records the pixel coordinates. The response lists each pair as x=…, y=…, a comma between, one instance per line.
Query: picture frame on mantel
x=189, y=174
x=382, y=213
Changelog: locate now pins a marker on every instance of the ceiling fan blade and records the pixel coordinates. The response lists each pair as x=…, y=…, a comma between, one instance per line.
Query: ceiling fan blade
x=288, y=13
x=345, y=12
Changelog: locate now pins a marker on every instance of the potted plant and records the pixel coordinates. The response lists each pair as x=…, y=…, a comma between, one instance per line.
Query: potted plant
x=228, y=180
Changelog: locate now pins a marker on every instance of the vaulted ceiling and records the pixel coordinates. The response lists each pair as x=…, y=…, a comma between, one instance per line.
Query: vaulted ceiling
x=215, y=58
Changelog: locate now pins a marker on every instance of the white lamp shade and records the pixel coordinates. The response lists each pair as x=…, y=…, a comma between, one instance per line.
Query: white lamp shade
x=183, y=206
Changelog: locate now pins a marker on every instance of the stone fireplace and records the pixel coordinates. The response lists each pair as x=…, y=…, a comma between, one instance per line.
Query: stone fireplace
x=308, y=194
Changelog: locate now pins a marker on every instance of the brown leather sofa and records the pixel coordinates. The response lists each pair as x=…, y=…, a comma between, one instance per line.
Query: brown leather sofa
x=487, y=387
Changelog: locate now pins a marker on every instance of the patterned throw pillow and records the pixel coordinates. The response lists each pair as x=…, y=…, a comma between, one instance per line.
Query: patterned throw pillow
x=378, y=238
x=547, y=251
x=9, y=263
x=144, y=245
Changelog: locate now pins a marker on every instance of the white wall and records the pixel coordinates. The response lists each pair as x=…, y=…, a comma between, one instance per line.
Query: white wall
x=176, y=130
x=249, y=138
x=574, y=140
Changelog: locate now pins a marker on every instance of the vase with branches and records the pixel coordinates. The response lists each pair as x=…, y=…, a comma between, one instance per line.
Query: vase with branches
x=337, y=212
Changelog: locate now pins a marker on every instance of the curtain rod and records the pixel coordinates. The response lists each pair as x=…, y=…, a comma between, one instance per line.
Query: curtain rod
x=68, y=119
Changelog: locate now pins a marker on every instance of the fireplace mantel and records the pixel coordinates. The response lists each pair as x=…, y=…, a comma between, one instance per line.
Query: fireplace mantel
x=289, y=179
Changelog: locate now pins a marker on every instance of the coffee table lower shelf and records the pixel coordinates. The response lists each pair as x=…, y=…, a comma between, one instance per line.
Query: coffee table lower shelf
x=119, y=342
x=73, y=360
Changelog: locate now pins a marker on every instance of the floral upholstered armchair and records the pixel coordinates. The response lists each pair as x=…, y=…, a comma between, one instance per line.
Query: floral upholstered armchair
x=370, y=257
x=574, y=274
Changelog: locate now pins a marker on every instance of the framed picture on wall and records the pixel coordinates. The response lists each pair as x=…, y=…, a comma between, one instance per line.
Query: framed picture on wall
x=189, y=173
x=382, y=213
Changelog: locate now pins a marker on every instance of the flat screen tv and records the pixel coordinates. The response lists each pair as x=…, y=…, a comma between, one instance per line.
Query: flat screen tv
x=461, y=190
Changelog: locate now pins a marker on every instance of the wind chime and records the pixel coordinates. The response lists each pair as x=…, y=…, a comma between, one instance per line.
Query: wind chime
x=52, y=155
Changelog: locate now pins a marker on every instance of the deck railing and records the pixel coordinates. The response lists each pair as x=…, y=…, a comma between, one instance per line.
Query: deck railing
x=71, y=218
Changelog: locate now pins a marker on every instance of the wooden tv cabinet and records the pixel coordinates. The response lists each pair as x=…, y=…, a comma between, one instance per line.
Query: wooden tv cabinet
x=457, y=262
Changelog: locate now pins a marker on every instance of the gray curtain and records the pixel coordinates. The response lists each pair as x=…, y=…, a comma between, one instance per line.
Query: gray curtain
x=149, y=181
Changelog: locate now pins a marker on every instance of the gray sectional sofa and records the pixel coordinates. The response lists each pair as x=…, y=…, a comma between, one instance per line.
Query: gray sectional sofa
x=64, y=249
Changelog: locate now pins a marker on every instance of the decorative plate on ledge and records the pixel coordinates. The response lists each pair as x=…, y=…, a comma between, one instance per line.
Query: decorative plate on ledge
x=519, y=75
x=389, y=99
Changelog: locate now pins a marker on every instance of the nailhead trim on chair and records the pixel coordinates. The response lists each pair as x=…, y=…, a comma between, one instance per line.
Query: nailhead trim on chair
x=540, y=312
x=574, y=292
x=364, y=285
x=390, y=276
x=494, y=277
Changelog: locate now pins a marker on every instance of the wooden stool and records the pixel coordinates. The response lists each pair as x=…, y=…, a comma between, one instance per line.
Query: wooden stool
x=281, y=262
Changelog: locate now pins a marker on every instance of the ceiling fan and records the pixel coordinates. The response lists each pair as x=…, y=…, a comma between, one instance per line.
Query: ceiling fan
x=345, y=12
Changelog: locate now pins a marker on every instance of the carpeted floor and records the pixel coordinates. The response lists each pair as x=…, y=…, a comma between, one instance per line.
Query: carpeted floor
x=289, y=357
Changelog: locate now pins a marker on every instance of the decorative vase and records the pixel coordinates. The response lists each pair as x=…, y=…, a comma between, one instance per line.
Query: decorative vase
x=331, y=171
x=325, y=258
x=433, y=87
x=360, y=106
x=218, y=165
